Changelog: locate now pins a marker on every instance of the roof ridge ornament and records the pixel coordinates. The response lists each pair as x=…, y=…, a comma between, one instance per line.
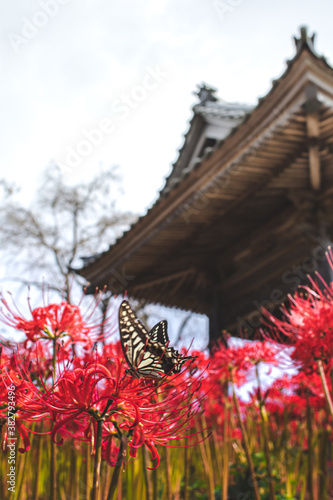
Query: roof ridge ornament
x=305, y=41
x=206, y=93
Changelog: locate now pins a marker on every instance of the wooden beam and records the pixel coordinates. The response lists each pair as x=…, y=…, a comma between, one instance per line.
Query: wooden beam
x=163, y=279
x=314, y=156
x=312, y=107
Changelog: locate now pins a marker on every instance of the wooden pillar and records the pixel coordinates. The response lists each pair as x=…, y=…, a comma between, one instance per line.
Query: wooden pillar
x=324, y=268
x=216, y=321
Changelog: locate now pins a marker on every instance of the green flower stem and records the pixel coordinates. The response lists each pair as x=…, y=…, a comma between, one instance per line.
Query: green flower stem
x=154, y=474
x=225, y=445
x=186, y=471
x=98, y=459
x=264, y=419
x=35, y=494
x=209, y=457
x=168, y=474
x=208, y=468
x=310, y=449
x=145, y=473
x=218, y=451
x=53, y=464
x=246, y=445
x=107, y=481
x=116, y=471
x=87, y=471
x=325, y=386
x=323, y=472
x=53, y=485
x=21, y=476
x=54, y=359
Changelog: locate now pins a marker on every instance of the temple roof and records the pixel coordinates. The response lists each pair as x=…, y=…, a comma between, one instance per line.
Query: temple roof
x=232, y=219
x=212, y=120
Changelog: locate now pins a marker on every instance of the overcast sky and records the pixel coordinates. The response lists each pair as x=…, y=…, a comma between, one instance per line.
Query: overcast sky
x=129, y=69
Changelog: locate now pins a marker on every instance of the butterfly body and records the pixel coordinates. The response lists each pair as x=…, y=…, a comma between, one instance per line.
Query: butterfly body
x=147, y=353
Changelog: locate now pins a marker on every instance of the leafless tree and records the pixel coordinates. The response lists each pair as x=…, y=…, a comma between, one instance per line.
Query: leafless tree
x=43, y=242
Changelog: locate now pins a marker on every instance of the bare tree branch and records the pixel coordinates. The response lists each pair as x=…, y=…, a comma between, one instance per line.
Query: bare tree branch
x=62, y=223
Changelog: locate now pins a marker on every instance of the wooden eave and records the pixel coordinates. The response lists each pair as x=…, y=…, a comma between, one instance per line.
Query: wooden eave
x=172, y=255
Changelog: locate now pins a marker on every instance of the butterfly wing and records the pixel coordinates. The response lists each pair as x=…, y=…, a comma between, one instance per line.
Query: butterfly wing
x=142, y=355
x=159, y=333
x=147, y=354
x=132, y=334
x=173, y=361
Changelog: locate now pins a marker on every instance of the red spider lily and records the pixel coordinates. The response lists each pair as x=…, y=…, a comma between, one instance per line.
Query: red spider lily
x=228, y=362
x=87, y=392
x=259, y=352
x=110, y=451
x=160, y=424
x=308, y=323
x=53, y=321
x=237, y=361
x=12, y=383
x=14, y=394
x=94, y=392
x=35, y=361
x=8, y=435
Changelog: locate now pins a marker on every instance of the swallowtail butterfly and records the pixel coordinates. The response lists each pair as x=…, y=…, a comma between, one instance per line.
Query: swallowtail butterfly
x=147, y=353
